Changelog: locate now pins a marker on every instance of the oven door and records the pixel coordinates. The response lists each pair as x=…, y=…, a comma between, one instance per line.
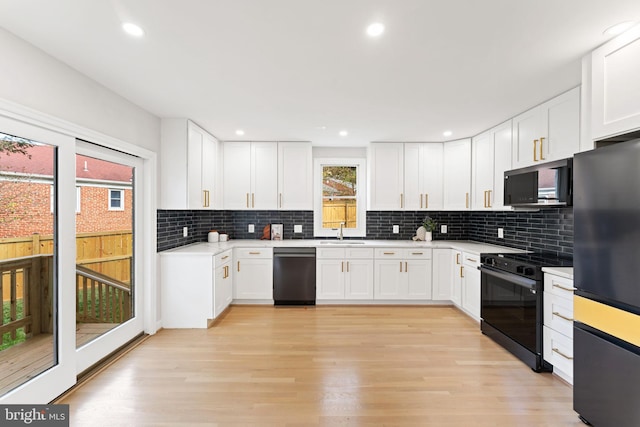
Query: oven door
x=512, y=305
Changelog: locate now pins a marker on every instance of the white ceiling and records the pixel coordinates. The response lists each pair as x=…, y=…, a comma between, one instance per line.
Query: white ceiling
x=281, y=69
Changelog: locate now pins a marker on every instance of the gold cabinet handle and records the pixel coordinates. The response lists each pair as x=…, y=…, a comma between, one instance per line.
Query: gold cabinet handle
x=401, y=200
x=420, y=201
x=541, y=155
x=555, y=313
x=347, y=266
x=406, y=267
x=225, y=257
x=535, y=153
x=205, y=196
x=253, y=200
x=564, y=288
x=489, y=198
x=342, y=266
x=472, y=260
x=280, y=199
x=254, y=253
x=426, y=200
x=389, y=253
x=417, y=253
x=466, y=200
x=461, y=271
x=458, y=258
x=484, y=199
x=400, y=266
x=238, y=265
x=247, y=199
x=555, y=350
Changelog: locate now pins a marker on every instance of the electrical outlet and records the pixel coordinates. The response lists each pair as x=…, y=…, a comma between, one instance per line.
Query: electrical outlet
x=396, y=229
x=443, y=229
x=500, y=233
x=185, y=231
x=297, y=228
x=252, y=228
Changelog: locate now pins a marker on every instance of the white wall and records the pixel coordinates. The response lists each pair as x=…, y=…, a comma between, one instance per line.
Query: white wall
x=34, y=79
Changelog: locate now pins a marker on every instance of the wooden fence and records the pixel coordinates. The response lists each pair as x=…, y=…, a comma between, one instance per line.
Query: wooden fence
x=336, y=211
x=108, y=253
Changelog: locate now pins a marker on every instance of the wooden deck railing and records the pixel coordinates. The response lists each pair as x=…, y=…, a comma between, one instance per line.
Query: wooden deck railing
x=29, y=280
x=101, y=299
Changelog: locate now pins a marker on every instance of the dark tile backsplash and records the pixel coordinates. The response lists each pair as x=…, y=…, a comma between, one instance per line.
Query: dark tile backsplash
x=548, y=229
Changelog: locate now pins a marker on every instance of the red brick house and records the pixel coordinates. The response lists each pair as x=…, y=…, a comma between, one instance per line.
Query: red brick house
x=104, y=194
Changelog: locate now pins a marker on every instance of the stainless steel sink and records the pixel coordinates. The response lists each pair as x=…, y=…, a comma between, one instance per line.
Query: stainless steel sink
x=341, y=242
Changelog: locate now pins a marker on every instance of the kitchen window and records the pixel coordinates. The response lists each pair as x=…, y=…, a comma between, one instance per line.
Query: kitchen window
x=116, y=200
x=339, y=189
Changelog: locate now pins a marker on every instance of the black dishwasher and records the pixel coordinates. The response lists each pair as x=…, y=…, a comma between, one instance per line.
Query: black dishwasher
x=294, y=276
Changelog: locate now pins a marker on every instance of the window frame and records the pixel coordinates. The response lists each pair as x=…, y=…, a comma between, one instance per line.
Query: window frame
x=121, y=191
x=361, y=176
x=78, y=198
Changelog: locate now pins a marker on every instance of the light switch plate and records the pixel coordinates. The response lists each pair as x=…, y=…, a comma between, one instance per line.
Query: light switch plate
x=500, y=233
x=252, y=228
x=297, y=228
x=396, y=229
x=185, y=231
x=443, y=229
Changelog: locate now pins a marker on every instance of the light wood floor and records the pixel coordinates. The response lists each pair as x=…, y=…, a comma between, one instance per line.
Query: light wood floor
x=324, y=366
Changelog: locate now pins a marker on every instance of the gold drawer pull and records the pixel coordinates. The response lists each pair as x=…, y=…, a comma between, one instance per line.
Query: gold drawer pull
x=564, y=288
x=555, y=313
x=457, y=258
x=472, y=260
x=389, y=253
x=417, y=253
x=225, y=257
x=555, y=350
x=255, y=253
x=461, y=274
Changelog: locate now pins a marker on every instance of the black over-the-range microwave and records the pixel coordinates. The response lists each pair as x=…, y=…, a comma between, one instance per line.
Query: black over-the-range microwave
x=544, y=185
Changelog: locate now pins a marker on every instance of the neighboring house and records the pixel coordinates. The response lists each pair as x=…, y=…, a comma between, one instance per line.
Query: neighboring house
x=103, y=194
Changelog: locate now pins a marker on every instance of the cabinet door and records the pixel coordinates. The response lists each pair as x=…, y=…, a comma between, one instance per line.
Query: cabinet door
x=330, y=279
x=471, y=291
x=483, y=159
x=209, y=159
x=413, y=176
x=615, y=86
x=442, y=275
x=389, y=280
x=527, y=130
x=561, y=119
x=264, y=175
x=194, y=167
x=418, y=278
x=502, y=143
x=432, y=175
x=237, y=175
x=457, y=174
x=222, y=289
x=253, y=278
x=295, y=176
x=386, y=171
x=359, y=279
x=456, y=277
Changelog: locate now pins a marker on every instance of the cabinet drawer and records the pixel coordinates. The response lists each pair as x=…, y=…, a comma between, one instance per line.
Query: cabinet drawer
x=470, y=260
x=222, y=258
x=330, y=253
x=390, y=253
x=558, y=350
x=359, y=253
x=417, y=253
x=558, y=314
x=254, y=253
x=559, y=286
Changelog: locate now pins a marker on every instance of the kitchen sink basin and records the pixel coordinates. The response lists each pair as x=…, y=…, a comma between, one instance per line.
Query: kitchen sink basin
x=341, y=242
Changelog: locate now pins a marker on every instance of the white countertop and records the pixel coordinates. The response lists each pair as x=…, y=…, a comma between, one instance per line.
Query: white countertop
x=566, y=272
x=462, y=245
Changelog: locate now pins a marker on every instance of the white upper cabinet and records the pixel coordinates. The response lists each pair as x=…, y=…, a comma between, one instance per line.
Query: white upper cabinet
x=615, y=90
x=188, y=166
x=550, y=131
x=405, y=176
x=250, y=175
x=457, y=174
x=422, y=176
x=295, y=177
x=386, y=176
x=491, y=158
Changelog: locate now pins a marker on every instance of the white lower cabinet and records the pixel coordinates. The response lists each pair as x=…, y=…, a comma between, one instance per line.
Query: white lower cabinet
x=344, y=274
x=402, y=274
x=195, y=289
x=558, y=325
x=456, y=277
x=253, y=275
x=466, y=283
x=442, y=275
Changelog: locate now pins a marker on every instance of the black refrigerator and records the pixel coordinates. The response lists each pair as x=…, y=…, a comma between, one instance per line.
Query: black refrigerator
x=606, y=390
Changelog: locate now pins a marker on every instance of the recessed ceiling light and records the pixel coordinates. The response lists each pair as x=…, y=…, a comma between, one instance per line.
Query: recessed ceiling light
x=375, y=30
x=239, y=132
x=132, y=29
x=620, y=28
x=344, y=133
x=447, y=133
